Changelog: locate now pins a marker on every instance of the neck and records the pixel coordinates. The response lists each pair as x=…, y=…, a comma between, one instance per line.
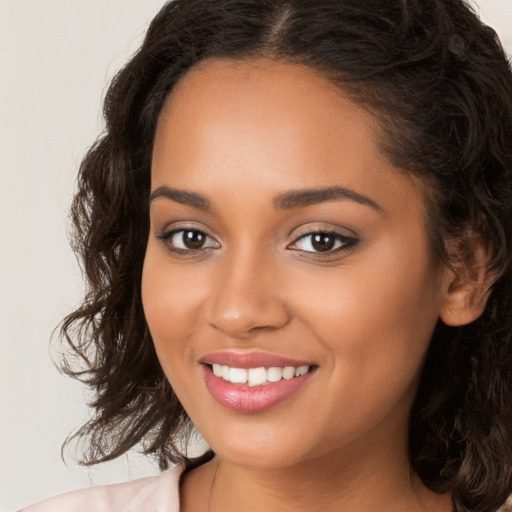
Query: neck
x=371, y=480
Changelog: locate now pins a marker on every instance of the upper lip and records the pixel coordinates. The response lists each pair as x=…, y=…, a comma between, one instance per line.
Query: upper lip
x=251, y=360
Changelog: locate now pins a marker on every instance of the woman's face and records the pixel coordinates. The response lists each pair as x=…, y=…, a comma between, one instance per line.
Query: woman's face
x=282, y=238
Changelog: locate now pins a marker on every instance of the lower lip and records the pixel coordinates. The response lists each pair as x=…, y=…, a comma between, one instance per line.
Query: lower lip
x=249, y=399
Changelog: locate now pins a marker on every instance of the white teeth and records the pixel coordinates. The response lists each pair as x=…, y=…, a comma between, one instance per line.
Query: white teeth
x=289, y=373
x=257, y=376
x=301, y=370
x=238, y=375
x=274, y=374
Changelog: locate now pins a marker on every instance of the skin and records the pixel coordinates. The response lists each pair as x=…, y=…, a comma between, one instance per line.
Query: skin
x=241, y=134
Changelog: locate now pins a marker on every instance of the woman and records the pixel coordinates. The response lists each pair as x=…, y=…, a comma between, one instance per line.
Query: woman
x=297, y=235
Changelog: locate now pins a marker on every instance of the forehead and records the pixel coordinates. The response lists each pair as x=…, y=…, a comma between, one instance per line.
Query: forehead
x=264, y=123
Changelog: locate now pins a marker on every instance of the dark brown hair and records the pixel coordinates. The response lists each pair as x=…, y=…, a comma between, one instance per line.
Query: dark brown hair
x=440, y=85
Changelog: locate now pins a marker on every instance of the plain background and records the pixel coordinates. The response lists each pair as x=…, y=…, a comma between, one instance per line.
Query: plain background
x=56, y=58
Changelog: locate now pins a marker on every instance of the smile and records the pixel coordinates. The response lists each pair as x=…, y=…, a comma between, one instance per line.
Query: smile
x=258, y=376
x=252, y=383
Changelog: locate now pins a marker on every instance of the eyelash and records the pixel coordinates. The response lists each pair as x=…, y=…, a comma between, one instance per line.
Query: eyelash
x=346, y=243
x=167, y=236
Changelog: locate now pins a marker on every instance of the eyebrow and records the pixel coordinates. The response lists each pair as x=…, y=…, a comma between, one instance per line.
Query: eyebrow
x=302, y=198
x=183, y=197
x=287, y=201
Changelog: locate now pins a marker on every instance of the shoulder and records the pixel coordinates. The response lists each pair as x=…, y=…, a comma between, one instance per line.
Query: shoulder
x=158, y=493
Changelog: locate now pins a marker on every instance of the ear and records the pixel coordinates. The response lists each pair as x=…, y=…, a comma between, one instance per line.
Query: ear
x=468, y=287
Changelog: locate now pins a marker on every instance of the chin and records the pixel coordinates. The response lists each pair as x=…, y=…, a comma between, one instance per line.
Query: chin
x=279, y=458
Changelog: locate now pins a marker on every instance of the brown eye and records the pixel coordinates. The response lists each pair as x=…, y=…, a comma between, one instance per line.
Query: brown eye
x=193, y=239
x=188, y=240
x=322, y=242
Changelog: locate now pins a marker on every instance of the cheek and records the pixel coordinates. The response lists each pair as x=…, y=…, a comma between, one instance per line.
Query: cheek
x=375, y=319
x=172, y=300
x=375, y=327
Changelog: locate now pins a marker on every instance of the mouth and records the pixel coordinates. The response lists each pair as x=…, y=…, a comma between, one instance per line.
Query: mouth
x=253, y=383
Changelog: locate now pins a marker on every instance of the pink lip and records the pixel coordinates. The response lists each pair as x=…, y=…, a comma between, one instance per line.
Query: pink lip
x=251, y=360
x=244, y=398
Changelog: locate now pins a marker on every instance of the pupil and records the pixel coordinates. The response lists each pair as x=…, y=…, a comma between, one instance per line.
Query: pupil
x=323, y=242
x=193, y=239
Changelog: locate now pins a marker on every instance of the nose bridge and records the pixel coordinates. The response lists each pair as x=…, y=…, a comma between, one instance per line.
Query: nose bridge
x=246, y=297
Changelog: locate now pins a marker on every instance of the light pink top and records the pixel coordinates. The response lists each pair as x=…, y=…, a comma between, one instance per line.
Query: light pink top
x=152, y=494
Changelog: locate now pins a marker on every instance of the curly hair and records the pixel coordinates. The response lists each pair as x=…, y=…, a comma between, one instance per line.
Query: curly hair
x=439, y=83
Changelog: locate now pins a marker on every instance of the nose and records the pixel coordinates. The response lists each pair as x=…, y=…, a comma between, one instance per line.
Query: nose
x=247, y=298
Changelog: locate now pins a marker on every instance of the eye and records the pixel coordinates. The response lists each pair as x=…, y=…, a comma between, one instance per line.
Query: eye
x=187, y=240
x=326, y=242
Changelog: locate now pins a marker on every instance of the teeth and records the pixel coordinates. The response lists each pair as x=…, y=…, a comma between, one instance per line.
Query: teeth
x=289, y=373
x=274, y=374
x=237, y=375
x=301, y=370
x=257, y=376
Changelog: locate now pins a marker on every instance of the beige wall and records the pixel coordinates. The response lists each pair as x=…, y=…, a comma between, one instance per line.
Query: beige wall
x=55, y=58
